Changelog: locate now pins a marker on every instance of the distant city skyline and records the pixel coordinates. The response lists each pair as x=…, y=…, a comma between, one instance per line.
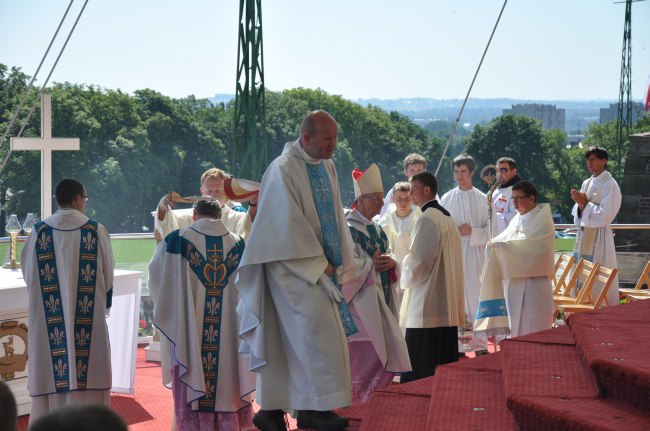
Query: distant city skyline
x=360, y=49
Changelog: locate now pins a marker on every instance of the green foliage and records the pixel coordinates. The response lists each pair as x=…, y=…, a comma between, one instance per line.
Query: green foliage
x=136, y=148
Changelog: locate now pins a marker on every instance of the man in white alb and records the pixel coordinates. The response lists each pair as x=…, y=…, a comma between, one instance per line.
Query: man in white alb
x=212, y=184
x=516, y=290
x=413, y=163
x=596, y=206
x=293, y=316
x=68, y=268
x=504, y=208
x=398, y=223
x=468, y=207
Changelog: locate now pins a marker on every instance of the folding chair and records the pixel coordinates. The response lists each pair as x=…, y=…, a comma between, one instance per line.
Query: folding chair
x=579, y=283
x=639, y=292
x=563, y=267
x=571, y=289
x=601, y=276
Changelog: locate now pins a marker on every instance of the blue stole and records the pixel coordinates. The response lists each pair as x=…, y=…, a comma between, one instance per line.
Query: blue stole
x=322, y=192
x=53, y=306
x=213, y=272
x=375, y=240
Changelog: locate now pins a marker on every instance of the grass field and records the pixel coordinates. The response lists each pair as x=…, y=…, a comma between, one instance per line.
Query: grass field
x=135, y=254
x=132, y=254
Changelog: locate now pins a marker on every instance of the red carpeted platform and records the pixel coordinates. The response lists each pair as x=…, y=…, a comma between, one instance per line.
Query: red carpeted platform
x=591, y=374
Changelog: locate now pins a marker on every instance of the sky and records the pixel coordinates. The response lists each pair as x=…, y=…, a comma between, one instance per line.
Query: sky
x=543, y=49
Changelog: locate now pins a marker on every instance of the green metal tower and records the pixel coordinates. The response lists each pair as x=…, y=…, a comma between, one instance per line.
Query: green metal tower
x=624, y=123
x=248, y=155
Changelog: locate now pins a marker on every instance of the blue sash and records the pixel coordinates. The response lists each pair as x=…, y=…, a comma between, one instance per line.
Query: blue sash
x=213, y=272
x=375, y=240
x=322, y=192
x=53, y=307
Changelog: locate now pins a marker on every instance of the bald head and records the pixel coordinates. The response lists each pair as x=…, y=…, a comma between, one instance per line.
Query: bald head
x=319, y=135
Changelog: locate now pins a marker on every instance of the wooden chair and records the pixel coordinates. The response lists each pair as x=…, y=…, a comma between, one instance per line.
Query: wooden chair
x=580, y=282
x=601, y=276
x=571, y=289
x=639, y=292
x=563, y=267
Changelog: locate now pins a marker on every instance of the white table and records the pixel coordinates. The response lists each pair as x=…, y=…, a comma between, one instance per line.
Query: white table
x=122, y=330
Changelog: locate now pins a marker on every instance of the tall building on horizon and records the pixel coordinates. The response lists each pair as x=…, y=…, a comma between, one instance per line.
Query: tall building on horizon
x=611, y=113
x=550, y=116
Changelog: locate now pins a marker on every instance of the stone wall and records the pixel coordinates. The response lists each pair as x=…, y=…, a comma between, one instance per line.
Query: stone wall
x=635, y=207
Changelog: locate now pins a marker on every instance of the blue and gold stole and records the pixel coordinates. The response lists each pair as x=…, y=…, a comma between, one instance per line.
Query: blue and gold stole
x=213, y=272
x=53, y=306
x=375, y=240
x=322, y=192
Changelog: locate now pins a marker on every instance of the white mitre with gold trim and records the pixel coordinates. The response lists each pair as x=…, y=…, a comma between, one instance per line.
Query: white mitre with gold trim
x=368, y=181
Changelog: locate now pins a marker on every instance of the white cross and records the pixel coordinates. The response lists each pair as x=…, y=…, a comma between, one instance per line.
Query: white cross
x=45, y=144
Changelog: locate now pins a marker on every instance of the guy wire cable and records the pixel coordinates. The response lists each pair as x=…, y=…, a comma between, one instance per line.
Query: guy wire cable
x=31, y=83
x=40, y=92
x=453, y=131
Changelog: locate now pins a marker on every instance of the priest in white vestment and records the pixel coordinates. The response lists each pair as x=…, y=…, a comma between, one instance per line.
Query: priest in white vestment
x=432, y=279
x=516, y=291
x=597, y=204
x=504, y=208
x=398, y=223
x=234, y=217
x=378, y=351
x=468, y=207
x=291, y=310
x=191, y=278
x=67, y=264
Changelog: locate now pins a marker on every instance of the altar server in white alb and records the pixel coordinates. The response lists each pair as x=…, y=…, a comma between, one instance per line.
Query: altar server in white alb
x=504, y=207
x=191, y=277
x=234, y=216
x=378, y=351
x=516, y=290
x=468, y=207
x=298, y=252
x=67, y=263
x=596, y=206
x=413, y=163
x=398, y=223
x=432, y=277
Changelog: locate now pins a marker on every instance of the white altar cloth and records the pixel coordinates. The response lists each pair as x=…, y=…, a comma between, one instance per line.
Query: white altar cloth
x=122, y=324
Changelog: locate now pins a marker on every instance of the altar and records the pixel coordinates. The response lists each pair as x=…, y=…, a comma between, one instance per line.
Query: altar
x=122, y=328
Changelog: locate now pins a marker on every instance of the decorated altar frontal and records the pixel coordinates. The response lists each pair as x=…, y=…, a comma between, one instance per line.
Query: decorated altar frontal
x=122, y=329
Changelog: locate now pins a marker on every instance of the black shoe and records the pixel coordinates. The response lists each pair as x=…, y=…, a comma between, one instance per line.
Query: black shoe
x=481, y=352
x=321, y=421
x=270, y=420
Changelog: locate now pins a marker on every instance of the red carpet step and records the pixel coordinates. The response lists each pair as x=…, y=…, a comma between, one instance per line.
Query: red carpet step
x=469, y=395
x=613, y=343
x=543, y=413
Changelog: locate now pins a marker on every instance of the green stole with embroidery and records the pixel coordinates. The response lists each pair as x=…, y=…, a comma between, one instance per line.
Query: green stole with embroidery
x=375, y=240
